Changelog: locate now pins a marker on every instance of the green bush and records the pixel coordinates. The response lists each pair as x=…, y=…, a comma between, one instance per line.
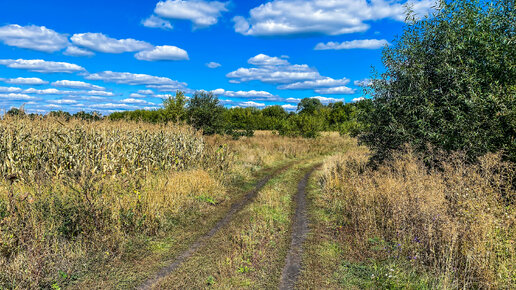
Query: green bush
x=450, y=83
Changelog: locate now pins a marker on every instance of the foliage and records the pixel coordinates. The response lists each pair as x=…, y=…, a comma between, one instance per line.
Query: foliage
x=205, y=113
x=450, y=83
x=455, y=224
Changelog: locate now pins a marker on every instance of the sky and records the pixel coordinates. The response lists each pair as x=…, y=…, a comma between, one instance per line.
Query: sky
x=115, y=55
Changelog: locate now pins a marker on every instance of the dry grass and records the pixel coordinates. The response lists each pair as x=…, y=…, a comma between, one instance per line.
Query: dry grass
x=77, y=195
x=456, y=223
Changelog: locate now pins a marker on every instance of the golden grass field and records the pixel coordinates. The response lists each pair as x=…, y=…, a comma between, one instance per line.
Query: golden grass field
x=106, y=204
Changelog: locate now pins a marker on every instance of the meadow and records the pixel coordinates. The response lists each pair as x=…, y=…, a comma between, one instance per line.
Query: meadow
x=76, y=195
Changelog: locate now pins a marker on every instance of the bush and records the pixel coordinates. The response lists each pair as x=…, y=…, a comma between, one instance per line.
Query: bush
x=205, y=113
x=456, y=224
x=450, y=83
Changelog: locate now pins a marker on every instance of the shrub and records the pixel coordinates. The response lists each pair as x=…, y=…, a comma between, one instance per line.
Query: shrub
x=450, y=83
x=456, y=223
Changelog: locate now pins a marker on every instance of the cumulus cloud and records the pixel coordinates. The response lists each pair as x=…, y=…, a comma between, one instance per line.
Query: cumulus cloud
x=213, y=64
x=201, y=13
x=273, y=70
x=103, y=43
x=16, y=97
x=154, y=21
x=301, y=17
x=341, y=90
x=33, y=37
x=362, y=43
x=115, y=106
x=71, y=93
x=145, y=92
x=289, y=107
x=320, y=83
x=265, y=60
x=362, y=83
x=257, y=95
x=293, y=100
x=134, y=79
x=358, y=99
x=277, y=70
x=136, y=101
x=42, y=66
x=77, y=85
x=25, y=81
x=10, y=90
x=251, y=104
x=325, y=100
x=76, y=51
x=165, y=52
x=63, y=101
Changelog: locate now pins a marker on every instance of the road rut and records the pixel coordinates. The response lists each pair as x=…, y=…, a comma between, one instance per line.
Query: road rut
x=235, y=208
x=299, y=232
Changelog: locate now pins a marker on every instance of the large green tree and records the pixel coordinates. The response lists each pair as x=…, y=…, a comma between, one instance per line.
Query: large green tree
x=450, y=83
x=205, y=112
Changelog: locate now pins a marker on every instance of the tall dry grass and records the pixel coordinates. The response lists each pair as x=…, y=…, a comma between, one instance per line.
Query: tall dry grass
x=76, y=194
x=456, y=223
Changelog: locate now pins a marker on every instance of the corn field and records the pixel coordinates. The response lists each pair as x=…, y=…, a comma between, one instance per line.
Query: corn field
x=32, y=150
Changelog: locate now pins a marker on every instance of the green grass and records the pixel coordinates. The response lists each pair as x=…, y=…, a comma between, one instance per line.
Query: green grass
x=250, y=252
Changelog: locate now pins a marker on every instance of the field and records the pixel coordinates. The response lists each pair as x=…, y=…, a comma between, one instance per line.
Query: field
x=112, y=204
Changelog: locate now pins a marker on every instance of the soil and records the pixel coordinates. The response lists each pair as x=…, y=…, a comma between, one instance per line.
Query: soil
x=300, y=231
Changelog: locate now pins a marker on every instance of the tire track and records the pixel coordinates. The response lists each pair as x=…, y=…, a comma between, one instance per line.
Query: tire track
x=201, y=241
x=299, y=232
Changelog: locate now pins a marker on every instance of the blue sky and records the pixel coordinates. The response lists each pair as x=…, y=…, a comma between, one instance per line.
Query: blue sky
x=122, y=55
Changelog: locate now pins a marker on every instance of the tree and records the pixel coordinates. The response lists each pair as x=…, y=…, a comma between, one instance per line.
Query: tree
x=450, y=83
x=309, y=106
x=174, y=108
x=205, y=112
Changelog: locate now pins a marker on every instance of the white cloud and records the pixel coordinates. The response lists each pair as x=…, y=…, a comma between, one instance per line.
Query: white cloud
x=362, y=43
x=320, y=83
x=134, y=79
x=42, y=66
x=358, y=99
x=363, y=83
x=277, y=70
x=16, y=97
x=136, y=101
x=251, y=104
x=25, y=81
x=213, y=64
x=71, y=93
x=265, y=60
x=201, y=13
x=63, y=101
x=99, y=93
x=77, y=85
x=45, y=92
x=293, y=100
x=53, y=106
x=325, y=100
x=10, y=90
x=76, y=51
x=289, y=107
x=103, y=43
x=336, y=91
x=33, y=37
x=136, y=95
x=330, y=17
x=156, y=22
x=262, y=95
x=145, y=92
x=273, y=70
x=114, y=106
x=165, y=52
